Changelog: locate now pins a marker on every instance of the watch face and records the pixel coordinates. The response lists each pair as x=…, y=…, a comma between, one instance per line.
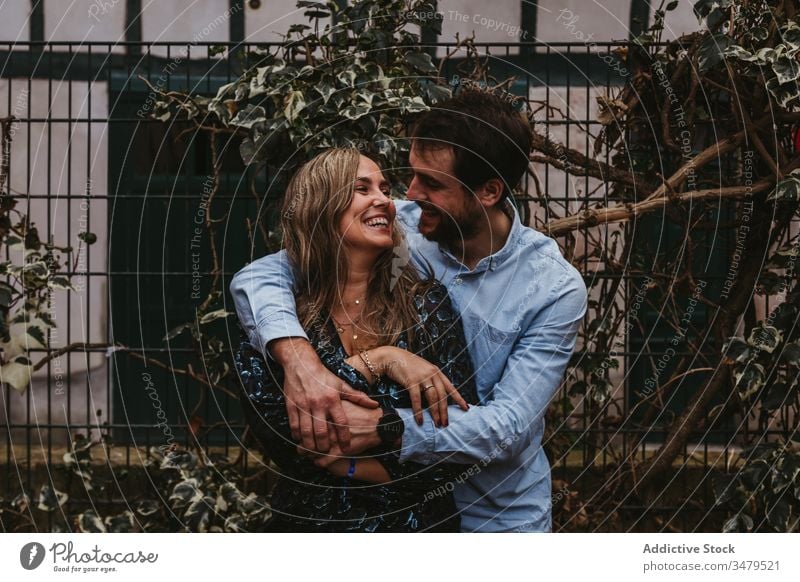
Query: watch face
x=391, y=426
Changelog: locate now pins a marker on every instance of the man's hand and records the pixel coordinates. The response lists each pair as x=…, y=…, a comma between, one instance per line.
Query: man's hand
x=363, y=424
x=314, y=397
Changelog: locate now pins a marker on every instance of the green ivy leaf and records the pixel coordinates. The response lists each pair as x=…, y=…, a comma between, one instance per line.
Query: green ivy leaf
x=384, y=144
x=737, y=52
x=786, y=69
x=754, y=474
x=50, y=499
x=785, y=94
x=759, y=33
x=121, y=523
x=749, y=380
x=325, y=90
x=147, y=507
x=791, y=354
x=314, y=9
x=184, y=493
x=736, y=350
x=712, y=51
x=6, y=295
x=738, y=523
x=90, y=522
x=421, y=61
x=766, y=55
x=355, y=111
x=777, y=396
x=578, y=388
x=249, y=116
x=198, y=514
x=60, y=282
x=765, y=337
x=437, y=93
x=37, y=334
x=778, y=514
x=790, y=35
x=787, y=189
x=16, y=374
x=235, y=524
x=182, y=460
x=725, y=487
x=293, y=104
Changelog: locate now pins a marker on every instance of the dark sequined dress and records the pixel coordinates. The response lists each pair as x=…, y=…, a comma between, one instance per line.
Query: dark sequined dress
x=309, y=499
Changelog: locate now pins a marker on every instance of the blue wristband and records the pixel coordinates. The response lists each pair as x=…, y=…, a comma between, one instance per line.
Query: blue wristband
x=352, y=469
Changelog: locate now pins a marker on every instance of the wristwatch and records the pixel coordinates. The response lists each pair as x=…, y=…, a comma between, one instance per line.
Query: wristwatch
x=390, y=427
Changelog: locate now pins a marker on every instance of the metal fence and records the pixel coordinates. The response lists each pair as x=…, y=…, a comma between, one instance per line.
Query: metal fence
x=84, y=156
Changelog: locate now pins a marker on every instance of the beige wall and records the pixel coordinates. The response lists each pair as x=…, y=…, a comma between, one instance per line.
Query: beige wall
x=182, y=20
x=272, y=19
x=85, y=21
x=14, y=22
x=567, y=20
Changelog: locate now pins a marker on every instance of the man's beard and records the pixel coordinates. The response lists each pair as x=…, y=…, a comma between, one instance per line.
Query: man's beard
x=452, y=231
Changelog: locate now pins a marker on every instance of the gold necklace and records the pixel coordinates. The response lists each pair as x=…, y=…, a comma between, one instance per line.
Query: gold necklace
x=340, y=328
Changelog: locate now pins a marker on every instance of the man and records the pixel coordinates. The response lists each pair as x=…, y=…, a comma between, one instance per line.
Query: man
x=521, y=304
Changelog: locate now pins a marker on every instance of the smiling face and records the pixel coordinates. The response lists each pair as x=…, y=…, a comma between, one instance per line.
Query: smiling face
x=450, y=213
x=368, y=223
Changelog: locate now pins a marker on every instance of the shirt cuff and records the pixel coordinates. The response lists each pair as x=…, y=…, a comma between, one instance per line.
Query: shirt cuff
x=278, y=326
x=418, y=440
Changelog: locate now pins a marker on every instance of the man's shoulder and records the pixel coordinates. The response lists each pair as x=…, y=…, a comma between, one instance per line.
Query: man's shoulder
x=267, y=263
x=546, y=264
x=542, y=253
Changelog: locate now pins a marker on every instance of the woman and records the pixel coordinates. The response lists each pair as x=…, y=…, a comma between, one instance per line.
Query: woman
x=380, y=328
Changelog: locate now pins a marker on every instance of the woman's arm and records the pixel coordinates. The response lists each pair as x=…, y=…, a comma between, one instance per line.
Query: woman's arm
x=368, y=470
x=447, y=353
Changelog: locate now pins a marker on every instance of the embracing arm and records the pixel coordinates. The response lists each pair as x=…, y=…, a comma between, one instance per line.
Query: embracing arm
x=265, y=411
x=264, y=301
x=504, y=427
x=441, y=356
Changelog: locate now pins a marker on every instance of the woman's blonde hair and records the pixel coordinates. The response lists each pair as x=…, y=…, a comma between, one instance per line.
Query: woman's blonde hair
x=316, y=198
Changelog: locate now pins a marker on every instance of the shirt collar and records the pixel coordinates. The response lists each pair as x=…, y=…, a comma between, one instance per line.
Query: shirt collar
x=495, y=260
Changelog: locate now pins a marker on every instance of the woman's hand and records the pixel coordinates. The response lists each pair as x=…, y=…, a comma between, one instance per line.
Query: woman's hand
x=419, y=377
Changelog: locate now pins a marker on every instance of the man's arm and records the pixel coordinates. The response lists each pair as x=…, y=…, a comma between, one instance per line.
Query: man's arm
x=504, y=426
x=264, y=301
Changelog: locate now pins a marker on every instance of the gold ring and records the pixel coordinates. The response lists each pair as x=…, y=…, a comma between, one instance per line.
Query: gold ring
x=425, y=388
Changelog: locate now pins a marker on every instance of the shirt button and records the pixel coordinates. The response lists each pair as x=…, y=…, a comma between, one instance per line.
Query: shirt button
x=458, y=281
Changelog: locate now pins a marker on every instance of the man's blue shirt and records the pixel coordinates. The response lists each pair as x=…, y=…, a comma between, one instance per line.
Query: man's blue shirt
x=521, y=308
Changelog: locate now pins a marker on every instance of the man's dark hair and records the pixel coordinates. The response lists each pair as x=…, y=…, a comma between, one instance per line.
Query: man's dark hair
x=489, y=137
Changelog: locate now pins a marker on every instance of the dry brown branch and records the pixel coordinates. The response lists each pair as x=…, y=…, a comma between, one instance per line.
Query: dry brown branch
x=578, y=164
x=622, y=212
